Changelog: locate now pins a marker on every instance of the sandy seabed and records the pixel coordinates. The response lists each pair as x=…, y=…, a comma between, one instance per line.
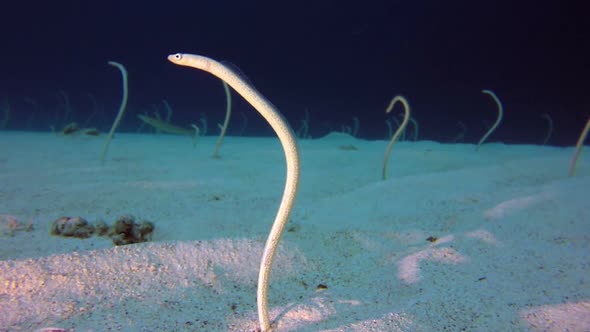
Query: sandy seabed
x=453, y=240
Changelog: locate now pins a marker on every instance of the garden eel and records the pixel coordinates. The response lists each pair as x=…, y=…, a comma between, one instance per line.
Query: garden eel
x=399, y=130
x=498, y=119
x=289, y=143
x=579, y=145
x=121, y=109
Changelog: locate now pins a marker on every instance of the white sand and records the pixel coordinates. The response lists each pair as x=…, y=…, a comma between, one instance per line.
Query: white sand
x=512, y=251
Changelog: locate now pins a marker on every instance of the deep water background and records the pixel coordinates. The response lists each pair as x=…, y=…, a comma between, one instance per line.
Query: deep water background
x=338, y=59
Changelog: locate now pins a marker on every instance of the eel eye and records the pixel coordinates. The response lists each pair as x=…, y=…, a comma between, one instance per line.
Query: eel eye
x=177, y=56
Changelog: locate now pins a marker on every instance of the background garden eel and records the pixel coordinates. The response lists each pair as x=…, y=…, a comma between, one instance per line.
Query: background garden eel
x=225, y=122
x=287, y=138
x=399, y=130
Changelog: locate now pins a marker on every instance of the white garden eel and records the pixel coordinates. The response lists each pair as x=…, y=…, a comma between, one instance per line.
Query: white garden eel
x=287, y=138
